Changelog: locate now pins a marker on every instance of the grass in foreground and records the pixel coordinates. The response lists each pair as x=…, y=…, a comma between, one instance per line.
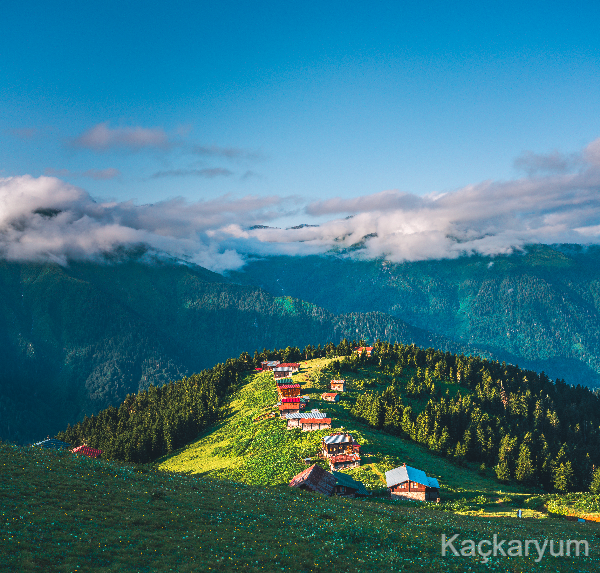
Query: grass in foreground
x=62, y=513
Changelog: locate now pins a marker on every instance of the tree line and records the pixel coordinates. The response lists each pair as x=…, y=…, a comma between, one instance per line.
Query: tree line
x=527, y=428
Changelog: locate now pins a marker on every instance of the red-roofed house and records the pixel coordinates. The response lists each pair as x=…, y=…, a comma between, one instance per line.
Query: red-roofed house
x=279, y=374
x=338, y=385
x=367, y=349
x=289, y=390
x=87, y=451
x=311, y=424
x=289, y=408
x=330, y=396
x=342, y=461
x=316, y=479
x=293, y=365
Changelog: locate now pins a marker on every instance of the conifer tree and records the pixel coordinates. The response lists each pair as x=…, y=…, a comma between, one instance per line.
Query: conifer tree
x=595, y=485
x=525, y=470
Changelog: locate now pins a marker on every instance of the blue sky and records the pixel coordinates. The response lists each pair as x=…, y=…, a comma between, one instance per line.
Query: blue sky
x=303, y=102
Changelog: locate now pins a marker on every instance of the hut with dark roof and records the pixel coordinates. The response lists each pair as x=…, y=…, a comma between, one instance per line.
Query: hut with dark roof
x=348, y=487
x=316, y=479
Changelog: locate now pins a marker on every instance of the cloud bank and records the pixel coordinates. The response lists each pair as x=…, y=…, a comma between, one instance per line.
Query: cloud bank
x=48, y=219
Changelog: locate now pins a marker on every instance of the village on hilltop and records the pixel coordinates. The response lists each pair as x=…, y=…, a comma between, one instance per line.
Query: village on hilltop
x=340, y=450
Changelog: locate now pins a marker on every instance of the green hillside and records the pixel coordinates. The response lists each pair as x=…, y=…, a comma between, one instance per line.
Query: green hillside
x=266, y=453
x=539, y=309
x=76, y=339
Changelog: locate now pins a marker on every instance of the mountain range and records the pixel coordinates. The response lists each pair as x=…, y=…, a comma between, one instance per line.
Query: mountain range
x=75, y=339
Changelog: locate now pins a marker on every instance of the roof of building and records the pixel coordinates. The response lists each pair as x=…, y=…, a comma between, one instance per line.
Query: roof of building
x=301, y=415
x=288, y=406
x=406, y=473
x=338, y=438
x=365, y=348
x=289, y=386
x=329, y=395
x=291, y=400
x=292, y=364
x=316, y=479
x=346, y=480
x=315, y=420
x=52, y=444
x=337, y=381
x=87, y=451
x=281, y=368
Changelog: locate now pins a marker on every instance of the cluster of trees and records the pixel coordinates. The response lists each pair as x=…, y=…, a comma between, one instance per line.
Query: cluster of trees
x=527, y=428
x=158, y=420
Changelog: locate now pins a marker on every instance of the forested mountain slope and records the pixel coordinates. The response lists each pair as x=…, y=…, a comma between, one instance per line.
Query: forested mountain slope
x=76, y=339
x=539, y=309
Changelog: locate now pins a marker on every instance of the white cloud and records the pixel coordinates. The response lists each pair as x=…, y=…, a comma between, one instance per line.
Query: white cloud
x=102, y=137
x=47, y=219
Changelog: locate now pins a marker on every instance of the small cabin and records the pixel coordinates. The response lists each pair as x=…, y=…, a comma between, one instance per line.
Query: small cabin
x=52, y=444
x=338, y=385
x=344, y=461
x=312, y=424
x=293, y=420
x=405, y=482
x=279, y=374
x=367, y=349
x=289, y=390
x=330, y=396
x=347, y=487
x=315, y=479
x=293, y=366
x=269, y=364
x=339, y=443
x=289, y=408
x=87, y=451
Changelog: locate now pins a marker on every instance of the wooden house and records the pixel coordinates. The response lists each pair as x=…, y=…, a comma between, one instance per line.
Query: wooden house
x=312, y=424
x=341, y=451
x=405, y=482
x=294, y=366
x=87, y=451
x=279, y=374
x=269, y=364
x=52, y=444
x=289, y=408
x=338, y=385
x=288, y=390
x=339, y=443
x=294, y=420
x=344, y=461
x=367, y=349
x=316, y=479
x=330, y=396
x=348, y=487
x=293, y=400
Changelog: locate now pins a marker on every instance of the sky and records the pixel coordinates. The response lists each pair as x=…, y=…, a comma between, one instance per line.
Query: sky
x=433, y=129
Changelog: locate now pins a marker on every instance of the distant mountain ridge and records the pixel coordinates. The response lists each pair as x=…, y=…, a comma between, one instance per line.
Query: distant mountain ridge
x=76, y=339
x=539, y=309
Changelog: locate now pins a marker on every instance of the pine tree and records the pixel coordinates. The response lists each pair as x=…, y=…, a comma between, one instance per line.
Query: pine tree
x=525, y=470
x=595, y=485
x=563, y=477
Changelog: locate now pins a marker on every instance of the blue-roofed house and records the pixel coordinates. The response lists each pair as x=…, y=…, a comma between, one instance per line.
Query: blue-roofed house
x=52, y=444
x=405, y=482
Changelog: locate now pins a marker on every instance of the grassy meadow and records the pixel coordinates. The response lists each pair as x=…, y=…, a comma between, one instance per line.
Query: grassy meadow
x=63, y=513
